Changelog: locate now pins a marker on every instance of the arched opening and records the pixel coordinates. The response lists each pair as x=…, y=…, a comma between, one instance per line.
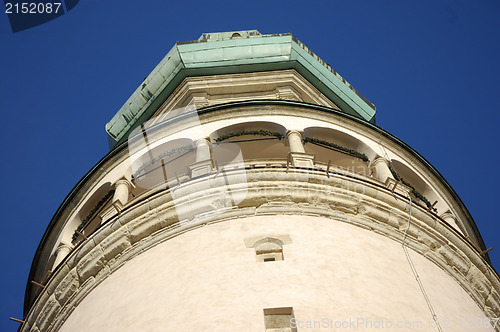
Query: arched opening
x=420, y=191
x=88, y=219
x=163, y=165
x=255, y=140
x=338, y=148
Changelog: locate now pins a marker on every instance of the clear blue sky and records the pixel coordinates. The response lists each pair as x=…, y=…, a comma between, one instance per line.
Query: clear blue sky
x=431, y=68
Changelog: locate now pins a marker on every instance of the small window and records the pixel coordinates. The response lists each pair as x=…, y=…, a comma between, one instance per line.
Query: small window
x=279, y=320
x=269, y=250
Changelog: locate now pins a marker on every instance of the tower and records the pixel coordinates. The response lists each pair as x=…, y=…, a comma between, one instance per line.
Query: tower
x=247, y=188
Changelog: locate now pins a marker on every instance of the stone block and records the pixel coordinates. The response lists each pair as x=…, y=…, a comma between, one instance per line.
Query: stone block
x=115, y=243
x=56, y=279
x=67, y=287
x=140, y=228
x=48, y=313
x=90, y=264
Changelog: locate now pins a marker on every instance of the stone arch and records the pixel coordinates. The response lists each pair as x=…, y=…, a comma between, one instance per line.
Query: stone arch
x=163, y=163
x=269, y=144
x=420, y=185
x=324, y=154
x=89, y=212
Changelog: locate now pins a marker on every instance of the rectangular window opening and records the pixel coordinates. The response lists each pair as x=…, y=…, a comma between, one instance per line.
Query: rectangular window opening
x=279, y=320
x=269, y=256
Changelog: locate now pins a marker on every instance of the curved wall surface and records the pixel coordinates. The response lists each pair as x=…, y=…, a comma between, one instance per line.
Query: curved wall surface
x=207, y=279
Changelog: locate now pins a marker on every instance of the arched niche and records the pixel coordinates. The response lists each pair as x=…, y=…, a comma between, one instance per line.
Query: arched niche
x=324, y=153
x=269, y=250
x=256, y=140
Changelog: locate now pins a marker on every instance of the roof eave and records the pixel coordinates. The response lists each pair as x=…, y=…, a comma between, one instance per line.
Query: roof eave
x=227, y=56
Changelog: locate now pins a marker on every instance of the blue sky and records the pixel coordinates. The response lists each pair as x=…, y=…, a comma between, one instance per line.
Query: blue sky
x=431, y=68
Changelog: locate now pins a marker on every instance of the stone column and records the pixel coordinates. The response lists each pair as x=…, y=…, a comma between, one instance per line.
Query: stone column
x=298, y=156
x=384, y=175
x=120, y=198
x=61, y=252
x=203, y=164
x=451, y=220
x=382, y=169
x=122, y=191
x=295, y=140
x=202, y=149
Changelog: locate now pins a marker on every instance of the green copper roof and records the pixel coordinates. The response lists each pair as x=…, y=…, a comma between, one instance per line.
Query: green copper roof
x=227, y=53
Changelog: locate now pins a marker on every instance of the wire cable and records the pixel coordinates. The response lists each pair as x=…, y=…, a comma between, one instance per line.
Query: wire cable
x=407, y=254
x=415, y=273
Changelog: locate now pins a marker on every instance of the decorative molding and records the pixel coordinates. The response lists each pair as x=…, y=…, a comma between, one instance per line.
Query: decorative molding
x=204, y=91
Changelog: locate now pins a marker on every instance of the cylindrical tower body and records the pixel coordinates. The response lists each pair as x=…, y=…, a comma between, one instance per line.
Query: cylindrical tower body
x=259, y=200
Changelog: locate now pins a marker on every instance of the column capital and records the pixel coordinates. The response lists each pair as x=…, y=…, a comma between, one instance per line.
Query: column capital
x=122, y=191
x=379, y=159
x=62, y=251
x=203, y=140
x=448, y=215
x=453, y=221
x=64, y=246
x=382, y=170
x=294, y=131
x=123, y=181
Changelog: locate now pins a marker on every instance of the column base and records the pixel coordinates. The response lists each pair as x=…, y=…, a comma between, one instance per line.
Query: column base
x=299, y=159
x=200, y=168
x=400, y=188
x=111, y=211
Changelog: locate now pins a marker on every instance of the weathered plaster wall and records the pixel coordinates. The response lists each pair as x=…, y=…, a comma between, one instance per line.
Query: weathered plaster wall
x=208, y=280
